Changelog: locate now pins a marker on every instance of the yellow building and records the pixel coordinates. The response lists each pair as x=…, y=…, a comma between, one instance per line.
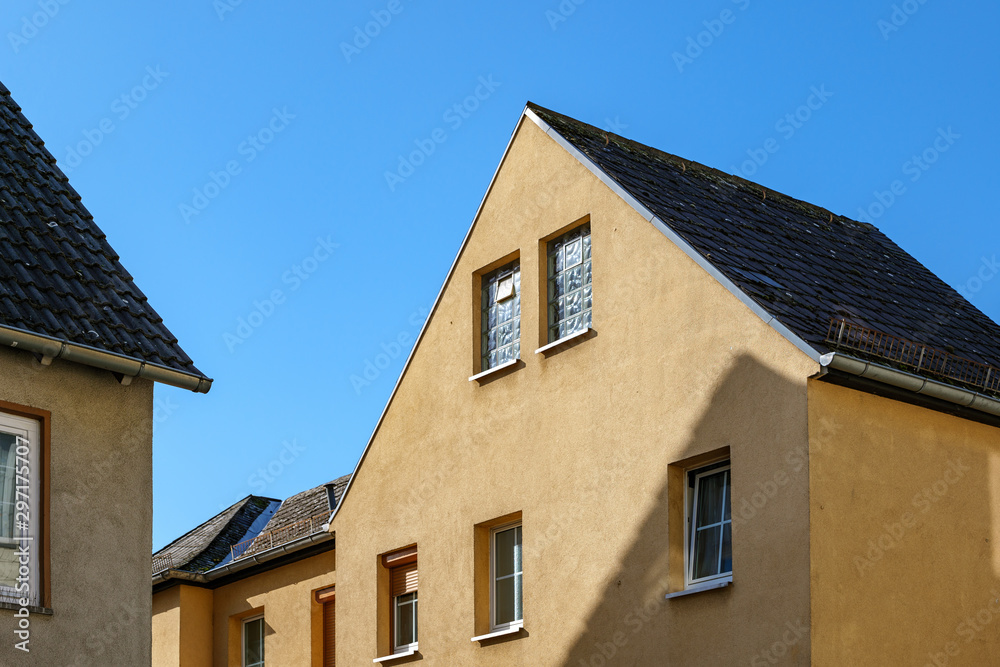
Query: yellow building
x=261, y=572
x=660, y=415
x=80, y=349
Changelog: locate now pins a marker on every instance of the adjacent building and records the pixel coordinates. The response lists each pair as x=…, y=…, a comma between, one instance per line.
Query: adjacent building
x=80, y=349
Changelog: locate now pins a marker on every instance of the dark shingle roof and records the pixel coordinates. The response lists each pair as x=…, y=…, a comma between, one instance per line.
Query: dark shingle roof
x=799, y=262
x=59, y=277
x=208, y=545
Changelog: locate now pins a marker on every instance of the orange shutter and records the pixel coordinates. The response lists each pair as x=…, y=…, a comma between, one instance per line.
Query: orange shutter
x=403, y=579
x=329, y=634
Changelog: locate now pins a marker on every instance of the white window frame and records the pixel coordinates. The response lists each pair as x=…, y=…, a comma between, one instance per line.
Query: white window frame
x=517, y=623
x=414, y=610
x=243, y=641
x=691, y=509
x=28, y=430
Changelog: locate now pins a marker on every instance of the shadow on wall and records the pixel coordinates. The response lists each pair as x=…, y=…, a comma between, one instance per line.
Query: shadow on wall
x=762, y=418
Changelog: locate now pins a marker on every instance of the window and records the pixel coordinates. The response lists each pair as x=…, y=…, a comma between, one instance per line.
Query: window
x=570, y=293
x=710, y=534
x=253, y=642
x=406, y=622
x=501, y=315
x=20, y=508
x=506, y=578
x=403, y=578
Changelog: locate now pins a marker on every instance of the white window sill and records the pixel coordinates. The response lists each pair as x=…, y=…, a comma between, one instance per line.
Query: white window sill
x=562, y=341
x=700, y=588
x=512, y=630
x=495, y=369
x=389, y=658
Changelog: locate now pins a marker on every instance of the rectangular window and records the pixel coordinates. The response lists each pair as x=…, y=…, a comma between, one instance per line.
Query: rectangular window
x=403, y=590
x=710, y=536
x=506, y=577
x=501, y=315
x=20, y=508
x=570, y=292
x=253, y=642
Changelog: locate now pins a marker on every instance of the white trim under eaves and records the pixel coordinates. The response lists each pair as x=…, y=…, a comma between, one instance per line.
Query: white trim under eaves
x=430, y=315
x=686, y=247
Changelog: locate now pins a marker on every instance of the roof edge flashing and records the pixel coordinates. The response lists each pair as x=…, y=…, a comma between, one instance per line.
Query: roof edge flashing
x=54, y=348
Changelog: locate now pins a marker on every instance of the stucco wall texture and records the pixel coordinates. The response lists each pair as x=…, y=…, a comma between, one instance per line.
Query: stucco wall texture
x=100, y=514
x=905, y=542
x=580, y=442
x=198, y=627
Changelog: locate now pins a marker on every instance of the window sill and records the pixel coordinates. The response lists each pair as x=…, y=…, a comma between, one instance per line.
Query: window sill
x=700, y=588
x=395, y=656
x=556, y=345
x=41, y=611
x=496, y=369
x=512, y=630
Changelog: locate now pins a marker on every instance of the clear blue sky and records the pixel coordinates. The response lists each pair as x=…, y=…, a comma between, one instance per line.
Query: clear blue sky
x=307, y=129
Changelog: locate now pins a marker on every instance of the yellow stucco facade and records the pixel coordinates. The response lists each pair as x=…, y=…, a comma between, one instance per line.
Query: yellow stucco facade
x=195, y=626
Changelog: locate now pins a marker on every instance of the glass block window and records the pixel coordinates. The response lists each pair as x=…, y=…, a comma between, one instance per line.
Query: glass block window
x=711, y=541
x=570, y=289
x=501, y=326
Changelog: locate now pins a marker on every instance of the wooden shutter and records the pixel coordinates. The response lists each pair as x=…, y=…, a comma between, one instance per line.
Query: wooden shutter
x=403, y=579
x=329, y=634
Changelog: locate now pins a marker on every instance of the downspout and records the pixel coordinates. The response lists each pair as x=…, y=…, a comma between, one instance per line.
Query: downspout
x=910, y=382
x=49, y=348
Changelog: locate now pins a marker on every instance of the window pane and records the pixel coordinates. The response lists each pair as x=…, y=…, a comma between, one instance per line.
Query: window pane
x=406, y=619
x=505, y=601
x=574, y=279
x=8, y=446
x=574, y=253
x=253, y=643
x=710, y=497
x=505, y=553
x=706, y=552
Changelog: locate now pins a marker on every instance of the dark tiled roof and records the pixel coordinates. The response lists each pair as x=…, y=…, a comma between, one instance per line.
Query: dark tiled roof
x=799, y=262
x=59, y=277
x=208, y=545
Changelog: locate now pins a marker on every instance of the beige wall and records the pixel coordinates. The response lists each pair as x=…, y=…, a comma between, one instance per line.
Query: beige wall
x=581, y=442
x=100, y=514
x=905, y=510
x=210, y=621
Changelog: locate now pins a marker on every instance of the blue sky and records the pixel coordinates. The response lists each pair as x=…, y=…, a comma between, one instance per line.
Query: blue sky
x=235, y=152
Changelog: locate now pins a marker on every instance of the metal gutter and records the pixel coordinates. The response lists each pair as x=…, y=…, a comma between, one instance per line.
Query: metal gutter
x=50, y=348
x=244, y=563
x=910, y=382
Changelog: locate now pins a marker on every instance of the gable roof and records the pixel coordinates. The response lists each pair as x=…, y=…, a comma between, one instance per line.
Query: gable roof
x=63, y=290
x=799, y=267
x=207, y=545
x=800, y=263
